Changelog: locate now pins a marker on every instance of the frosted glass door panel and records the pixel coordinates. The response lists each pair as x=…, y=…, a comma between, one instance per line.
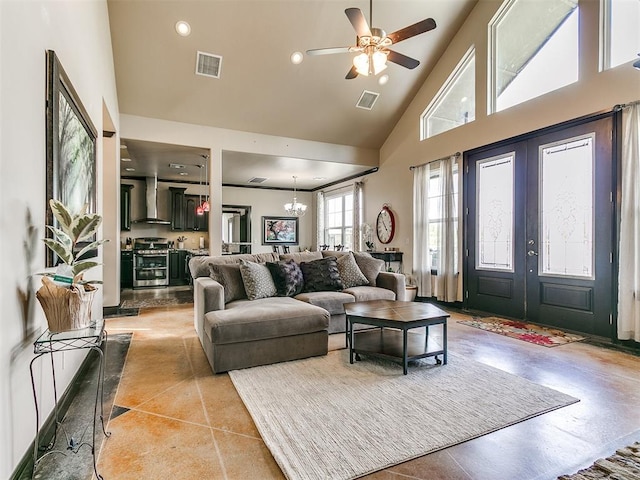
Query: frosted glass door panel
x=566, y=208
x=494, y=187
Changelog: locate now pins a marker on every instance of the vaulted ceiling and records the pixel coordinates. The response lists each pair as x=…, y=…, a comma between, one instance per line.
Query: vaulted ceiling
x=260, y=90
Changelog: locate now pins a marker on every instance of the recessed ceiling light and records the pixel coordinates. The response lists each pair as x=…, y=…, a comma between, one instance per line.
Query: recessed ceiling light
x=184, y=174
x=183, y=28
x=296, y=58
x=463, y=99
x=129, y=169
x=124, y=159
x=383, y=79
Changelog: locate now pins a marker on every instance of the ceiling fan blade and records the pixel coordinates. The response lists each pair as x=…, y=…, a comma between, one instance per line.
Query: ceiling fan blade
x=403, y=60
x=328, y=51
x=352, y=74
x=359, y=22
x=412, y=30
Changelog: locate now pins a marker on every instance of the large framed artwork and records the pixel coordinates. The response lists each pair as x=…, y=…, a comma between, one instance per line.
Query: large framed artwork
x=279, y=230
x=71, y=147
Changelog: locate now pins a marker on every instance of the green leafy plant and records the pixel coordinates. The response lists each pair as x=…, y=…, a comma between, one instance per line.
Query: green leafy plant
x=74, y=228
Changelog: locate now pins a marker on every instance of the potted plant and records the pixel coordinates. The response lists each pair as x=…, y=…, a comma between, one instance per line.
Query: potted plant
x=67, y=299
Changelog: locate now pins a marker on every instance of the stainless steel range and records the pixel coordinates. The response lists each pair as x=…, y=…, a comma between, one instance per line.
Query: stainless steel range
x=150, y=262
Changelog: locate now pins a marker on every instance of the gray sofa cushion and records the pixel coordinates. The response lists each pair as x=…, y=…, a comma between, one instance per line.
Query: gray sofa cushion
x=230, y=278
x=249, y=320
x=332, y=302
x=365, y=293
x=321, y=275
x=257, y=280
x=350, y=273
x=369, y=266
x=199, y=266
x=300, y=257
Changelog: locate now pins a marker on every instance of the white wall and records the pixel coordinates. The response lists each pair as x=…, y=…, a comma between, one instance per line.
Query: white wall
x=594, y=92
x=269, y=203
x=79, y=33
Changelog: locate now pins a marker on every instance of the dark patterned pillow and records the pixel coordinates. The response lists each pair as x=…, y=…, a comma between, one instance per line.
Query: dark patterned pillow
x=228, y=275
x=369, y=266
x=257, y=280
x=350, y=273
x=287, y=276
x=321, y=275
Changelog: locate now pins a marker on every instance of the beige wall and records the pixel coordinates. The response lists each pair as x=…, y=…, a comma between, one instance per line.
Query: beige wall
x=594, y=92
x=79, y=34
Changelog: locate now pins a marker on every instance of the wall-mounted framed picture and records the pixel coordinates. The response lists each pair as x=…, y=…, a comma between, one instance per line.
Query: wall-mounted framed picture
x=280, y=231
x=71, y=148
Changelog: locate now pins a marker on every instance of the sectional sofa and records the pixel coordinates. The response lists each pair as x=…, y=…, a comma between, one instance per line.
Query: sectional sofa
x=242, y=322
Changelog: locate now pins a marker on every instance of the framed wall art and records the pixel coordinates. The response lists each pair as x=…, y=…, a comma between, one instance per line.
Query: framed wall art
x=71, y=147
x=279, y=230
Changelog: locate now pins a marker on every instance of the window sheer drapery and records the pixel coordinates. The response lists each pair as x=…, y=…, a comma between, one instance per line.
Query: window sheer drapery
x=357, y=216
x=319, y=219
x=629, y=255
x=435, y=229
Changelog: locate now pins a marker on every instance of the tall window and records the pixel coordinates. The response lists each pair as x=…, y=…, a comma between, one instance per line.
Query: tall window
x=438, y=213
x=534, y=50
x=455, y=103
x=338, y=211
x=620, y=32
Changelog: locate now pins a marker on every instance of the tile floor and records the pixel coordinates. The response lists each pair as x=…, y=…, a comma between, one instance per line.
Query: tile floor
x=182, y=422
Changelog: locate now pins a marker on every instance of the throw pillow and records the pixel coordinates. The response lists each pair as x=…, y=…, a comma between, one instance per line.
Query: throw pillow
x=228, y=275
x=287, y=277
x=257, y=280
x=369, y=266
x=321, y=275
x=350, y=273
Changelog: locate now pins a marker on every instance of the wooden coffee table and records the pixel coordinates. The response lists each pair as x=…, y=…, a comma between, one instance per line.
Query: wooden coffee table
x=393, y=340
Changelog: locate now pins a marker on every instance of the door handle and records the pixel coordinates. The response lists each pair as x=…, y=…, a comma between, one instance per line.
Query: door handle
x=531, y=253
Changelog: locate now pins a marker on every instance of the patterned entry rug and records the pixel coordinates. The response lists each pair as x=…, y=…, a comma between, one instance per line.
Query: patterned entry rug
x=323, y=418
x=176, y=298
x=528, y=332
x=623, y=465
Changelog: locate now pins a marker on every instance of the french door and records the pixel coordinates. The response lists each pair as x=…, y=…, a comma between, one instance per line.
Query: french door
x=539, y=228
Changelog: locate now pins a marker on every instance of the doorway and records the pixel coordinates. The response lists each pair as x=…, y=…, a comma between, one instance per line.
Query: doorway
x=539, y=238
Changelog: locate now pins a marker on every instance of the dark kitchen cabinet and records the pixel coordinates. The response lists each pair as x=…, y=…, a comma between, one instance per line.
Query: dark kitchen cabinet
x=193, y=221
x=177, y=259
x=177, y=206
x=125, y=207
x=126, y=269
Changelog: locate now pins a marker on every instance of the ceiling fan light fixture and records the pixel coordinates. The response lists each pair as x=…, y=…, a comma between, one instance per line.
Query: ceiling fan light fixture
x=370, y=63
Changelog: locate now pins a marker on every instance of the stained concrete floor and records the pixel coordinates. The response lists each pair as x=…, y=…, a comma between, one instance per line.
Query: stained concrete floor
x=172, y=418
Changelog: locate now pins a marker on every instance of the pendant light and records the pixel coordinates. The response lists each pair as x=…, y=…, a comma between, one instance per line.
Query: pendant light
x=295, y=209
x=205, y=204
x=199, y=209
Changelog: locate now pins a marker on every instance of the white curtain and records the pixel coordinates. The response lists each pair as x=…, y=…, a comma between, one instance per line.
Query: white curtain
x=357, y=216
x=629, y=255
x=435, y=206
x=319, y=220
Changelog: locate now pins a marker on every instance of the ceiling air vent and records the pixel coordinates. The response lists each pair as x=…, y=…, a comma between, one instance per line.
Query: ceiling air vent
x=257, y=180
x=367, y=99
x=208, y=64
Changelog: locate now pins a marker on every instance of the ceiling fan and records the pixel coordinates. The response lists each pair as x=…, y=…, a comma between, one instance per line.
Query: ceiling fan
x=373, y=44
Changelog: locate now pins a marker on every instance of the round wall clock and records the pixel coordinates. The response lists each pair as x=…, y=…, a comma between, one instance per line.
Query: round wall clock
x=385, y=225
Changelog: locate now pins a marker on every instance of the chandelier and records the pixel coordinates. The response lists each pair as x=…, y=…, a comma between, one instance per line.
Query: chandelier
x=295, y=209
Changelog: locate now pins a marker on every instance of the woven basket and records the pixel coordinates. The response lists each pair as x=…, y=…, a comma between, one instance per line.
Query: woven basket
x=66, y=308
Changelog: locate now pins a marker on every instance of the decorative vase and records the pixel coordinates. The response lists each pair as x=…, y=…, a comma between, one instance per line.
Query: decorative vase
x=181, y=245
x=410, y=293
x=66, y=308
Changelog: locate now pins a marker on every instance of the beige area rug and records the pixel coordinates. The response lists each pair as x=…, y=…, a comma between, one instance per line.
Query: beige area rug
x=323, y=418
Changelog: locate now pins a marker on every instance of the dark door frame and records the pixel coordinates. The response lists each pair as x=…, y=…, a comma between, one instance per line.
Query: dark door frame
x=616, y=181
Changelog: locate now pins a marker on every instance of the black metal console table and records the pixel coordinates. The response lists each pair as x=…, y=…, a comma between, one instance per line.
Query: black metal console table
x=389, y=256
x=92, y=338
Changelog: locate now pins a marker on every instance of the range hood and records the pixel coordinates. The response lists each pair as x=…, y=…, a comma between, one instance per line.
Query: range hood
x=151, y=194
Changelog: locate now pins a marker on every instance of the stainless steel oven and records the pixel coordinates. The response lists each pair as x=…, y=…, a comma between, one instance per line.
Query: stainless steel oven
x=150, y=262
